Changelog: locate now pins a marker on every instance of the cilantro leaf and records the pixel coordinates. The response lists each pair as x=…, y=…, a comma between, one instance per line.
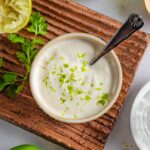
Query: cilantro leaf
x=22, y=57
x=16, y=38
x=9, y=77
x=1, y=62
x=19, y=89
x=37, y=41
x=38, y=24
x=33, y=54
x=2, y=84
x=11, y=90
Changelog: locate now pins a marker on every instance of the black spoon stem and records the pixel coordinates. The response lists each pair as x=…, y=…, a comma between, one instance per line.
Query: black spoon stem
x=133, y=23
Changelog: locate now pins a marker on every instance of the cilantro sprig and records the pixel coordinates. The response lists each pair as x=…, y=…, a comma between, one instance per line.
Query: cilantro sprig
x=11, y=81
x=38, y=25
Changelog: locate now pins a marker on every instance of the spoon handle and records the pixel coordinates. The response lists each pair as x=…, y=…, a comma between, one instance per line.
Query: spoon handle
x=133, y=23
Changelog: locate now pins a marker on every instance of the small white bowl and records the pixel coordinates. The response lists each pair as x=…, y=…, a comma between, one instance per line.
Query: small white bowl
x=140, y=118
x=115, y=68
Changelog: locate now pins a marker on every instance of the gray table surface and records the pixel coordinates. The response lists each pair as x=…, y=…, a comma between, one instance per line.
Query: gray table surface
x=120, y=138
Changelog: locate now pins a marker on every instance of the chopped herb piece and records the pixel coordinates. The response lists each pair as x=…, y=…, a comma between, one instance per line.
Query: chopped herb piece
x=103, y=99
x=62, y=78
x=70, y=89
x=87, y=98
x=45, y=81
x=85, y=63
x=82, y=55
x=52, y=89
x=98, y=89
x=79, y=91
x=62, y=100
x=52, y=58
x=66, y=65
x=73, y=68
x=84, y=69
x=72, y=77
x=92, y=85
x=53, y=72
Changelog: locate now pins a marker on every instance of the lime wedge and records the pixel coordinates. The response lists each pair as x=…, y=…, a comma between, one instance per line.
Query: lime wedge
x=14, y=15
x=25, y=147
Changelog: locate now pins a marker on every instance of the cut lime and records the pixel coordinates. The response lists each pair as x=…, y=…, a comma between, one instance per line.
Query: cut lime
x=25, y=147
x=14, y=15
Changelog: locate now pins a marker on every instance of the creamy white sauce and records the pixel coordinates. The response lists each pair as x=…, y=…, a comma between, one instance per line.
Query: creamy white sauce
x=98, y=75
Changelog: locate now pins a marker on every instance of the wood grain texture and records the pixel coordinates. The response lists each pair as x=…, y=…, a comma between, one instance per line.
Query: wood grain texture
x=64, y=16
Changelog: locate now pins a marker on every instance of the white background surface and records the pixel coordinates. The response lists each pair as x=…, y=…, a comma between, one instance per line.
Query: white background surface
x=120, y=138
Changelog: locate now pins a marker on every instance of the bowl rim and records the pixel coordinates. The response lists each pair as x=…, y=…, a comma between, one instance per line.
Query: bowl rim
x=95, y=116
x=139, y=95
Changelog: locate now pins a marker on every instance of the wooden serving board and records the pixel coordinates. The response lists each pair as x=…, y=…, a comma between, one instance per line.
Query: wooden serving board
x=65, y=16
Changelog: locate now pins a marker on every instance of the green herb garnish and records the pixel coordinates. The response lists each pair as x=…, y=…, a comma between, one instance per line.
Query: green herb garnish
x=38, y=24
x=27, y=52
x=51, y=87
x=82, y=55
x=66, y=65
x=92, y=85
x=84, y=66
x=87, y=98
x=12, y=81
x=103, y=99
x=79, y=91
x=70, y=89
x=98, y=89
x=62, y=100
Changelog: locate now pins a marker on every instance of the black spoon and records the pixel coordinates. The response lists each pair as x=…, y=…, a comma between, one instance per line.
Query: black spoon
x=133, y=23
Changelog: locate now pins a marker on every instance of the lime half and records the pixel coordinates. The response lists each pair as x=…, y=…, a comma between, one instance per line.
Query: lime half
x=14, y=15
x=25, y=147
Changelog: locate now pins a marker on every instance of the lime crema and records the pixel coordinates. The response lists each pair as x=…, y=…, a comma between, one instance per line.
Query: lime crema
x=71, y=87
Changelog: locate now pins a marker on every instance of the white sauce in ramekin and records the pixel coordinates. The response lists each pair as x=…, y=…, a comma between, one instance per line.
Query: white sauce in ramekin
x=67, y=57
x=84, y=98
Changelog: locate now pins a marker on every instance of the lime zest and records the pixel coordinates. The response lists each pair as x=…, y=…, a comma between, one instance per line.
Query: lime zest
x=103, y=99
